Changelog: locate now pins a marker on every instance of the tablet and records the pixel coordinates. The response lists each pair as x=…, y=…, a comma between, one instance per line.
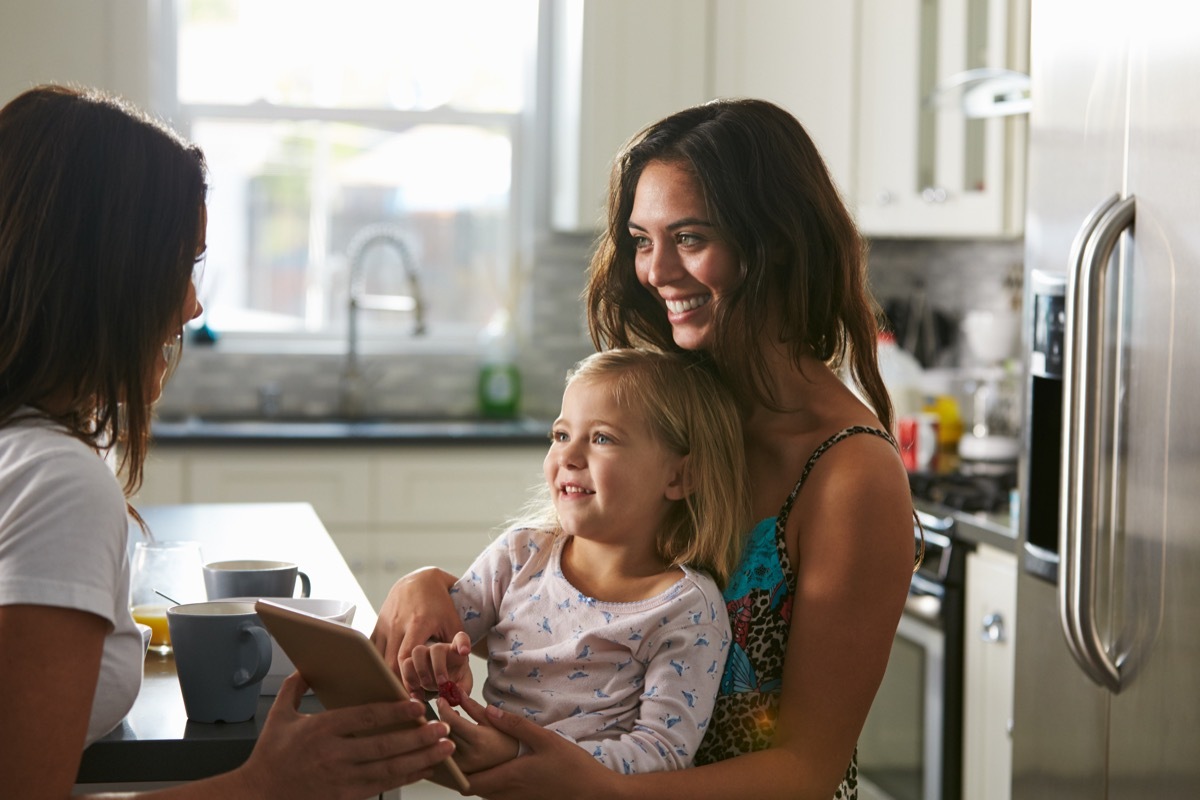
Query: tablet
x=340, y=664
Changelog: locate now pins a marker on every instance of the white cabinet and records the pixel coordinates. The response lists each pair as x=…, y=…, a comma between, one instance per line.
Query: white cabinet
x=858, y=74
x=989, y=632
x=390, y=509
x=799, y=54
x=448, y=501
x=618, y=66
x=924, y=168
x=336, y=482
x=163, y=478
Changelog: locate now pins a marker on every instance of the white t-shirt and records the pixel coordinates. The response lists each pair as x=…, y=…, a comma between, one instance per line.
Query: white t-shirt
x=63, y=535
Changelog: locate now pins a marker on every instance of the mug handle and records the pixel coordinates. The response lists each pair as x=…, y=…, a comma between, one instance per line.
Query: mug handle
x=305, y=585
x=262, y=648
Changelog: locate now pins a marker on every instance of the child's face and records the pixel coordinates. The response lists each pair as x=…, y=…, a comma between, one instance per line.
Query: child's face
x=611, y=477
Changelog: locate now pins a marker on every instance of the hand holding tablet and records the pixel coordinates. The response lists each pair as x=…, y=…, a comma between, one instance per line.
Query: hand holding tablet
x=340, y=664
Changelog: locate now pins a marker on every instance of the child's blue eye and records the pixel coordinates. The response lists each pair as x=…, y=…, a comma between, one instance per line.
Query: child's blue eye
x=601, y=438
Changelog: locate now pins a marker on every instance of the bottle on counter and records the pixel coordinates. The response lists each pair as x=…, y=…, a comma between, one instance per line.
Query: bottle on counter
x=499, y=379
x=950, y=429
x=901, y=374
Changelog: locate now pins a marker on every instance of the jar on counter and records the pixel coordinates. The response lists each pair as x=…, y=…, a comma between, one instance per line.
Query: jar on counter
x=917, y=436
x=902, y=375
x=950, y=430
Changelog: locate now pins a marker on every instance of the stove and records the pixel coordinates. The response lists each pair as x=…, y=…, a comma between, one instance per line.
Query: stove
x=963, y=491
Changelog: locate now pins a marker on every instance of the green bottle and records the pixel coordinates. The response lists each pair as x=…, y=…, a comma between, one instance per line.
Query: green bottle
x=499, y=380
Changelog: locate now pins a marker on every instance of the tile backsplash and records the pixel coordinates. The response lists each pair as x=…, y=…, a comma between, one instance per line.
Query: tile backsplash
x=953, y=275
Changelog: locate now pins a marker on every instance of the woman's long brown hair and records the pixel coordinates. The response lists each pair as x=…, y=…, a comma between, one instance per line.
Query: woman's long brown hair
x=100, y=212
x=802, y=260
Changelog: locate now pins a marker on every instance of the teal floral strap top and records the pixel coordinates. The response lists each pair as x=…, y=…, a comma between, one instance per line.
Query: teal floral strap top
x=759, y=598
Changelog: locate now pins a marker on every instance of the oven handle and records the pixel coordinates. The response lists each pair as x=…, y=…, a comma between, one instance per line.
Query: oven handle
x=935, y=532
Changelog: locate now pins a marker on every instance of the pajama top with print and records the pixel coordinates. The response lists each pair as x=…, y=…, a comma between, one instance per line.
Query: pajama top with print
x=632, y=683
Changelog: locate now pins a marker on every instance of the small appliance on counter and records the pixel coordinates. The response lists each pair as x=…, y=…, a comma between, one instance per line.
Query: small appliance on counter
x=990, y=440
x=990, y=444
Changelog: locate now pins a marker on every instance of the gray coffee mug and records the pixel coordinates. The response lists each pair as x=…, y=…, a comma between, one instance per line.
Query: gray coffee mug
x=222, y=654
x=254, y=579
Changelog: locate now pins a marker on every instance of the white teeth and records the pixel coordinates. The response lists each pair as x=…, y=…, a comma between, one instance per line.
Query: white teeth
x=576, y=490
x=679, y=306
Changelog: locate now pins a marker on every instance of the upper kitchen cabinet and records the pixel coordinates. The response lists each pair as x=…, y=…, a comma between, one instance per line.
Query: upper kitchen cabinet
x=618, y=66
x=941, y=152
x=881, y=86
x=800, y=55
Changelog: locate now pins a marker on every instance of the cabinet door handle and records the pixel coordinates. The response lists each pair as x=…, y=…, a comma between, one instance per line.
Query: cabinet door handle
x=993, y=628
x=935, y=194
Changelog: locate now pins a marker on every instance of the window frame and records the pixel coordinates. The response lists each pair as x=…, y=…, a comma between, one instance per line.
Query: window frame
x=333, y=338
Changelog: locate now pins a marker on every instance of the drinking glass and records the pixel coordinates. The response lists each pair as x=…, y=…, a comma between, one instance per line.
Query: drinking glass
x=161, y=575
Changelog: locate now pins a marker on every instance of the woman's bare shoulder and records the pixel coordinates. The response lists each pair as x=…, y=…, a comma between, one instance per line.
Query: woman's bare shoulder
x=857, y=486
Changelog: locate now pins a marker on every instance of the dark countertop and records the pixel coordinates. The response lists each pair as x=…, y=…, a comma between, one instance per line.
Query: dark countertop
x=978, y=527
x=156, y=741
x=204, y=431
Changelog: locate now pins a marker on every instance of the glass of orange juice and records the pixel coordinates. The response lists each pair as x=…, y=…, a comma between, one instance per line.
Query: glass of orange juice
x=158, y=571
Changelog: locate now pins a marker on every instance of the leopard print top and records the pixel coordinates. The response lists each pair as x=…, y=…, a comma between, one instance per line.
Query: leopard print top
x=759, y=598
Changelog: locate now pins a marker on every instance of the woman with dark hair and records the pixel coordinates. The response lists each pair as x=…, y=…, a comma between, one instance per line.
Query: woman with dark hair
x=726, y=236
x=102, y=221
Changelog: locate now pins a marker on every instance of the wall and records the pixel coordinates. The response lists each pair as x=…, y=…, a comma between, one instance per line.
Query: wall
x=955, y=276
x=99, y=43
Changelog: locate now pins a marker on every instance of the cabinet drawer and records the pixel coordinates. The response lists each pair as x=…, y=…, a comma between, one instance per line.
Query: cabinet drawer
x=474, y=487
x=336, y=483
x=163, y=477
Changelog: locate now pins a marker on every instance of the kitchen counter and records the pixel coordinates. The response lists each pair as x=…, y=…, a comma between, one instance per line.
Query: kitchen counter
x=156, y=742
x=201, y=430
x=995, y=529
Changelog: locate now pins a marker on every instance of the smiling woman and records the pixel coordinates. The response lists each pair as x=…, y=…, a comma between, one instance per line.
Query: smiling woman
x=319, y=119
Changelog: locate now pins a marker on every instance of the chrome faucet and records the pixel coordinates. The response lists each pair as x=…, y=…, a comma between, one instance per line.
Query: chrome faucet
x=364, y=240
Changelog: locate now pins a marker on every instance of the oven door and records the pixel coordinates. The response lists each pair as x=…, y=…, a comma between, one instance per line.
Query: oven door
x=900, y=747
x=902, y=753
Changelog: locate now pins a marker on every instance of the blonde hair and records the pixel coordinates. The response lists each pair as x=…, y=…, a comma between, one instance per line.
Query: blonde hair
x=692, y=414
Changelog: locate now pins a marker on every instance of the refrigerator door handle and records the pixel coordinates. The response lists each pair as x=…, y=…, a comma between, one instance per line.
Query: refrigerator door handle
x=1076, y=319
x=1083, y=352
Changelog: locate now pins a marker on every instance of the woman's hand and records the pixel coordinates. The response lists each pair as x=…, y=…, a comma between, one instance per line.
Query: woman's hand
x=551, y=767
x=479, y=746
x=432, y=665
x=417, y=609
x=344, y=754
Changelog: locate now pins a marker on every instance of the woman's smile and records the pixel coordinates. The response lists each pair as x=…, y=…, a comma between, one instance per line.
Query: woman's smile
x=679, y=255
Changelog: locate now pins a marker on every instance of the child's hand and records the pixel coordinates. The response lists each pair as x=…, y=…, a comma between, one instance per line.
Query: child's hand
x=478, y=746
x=432, y=665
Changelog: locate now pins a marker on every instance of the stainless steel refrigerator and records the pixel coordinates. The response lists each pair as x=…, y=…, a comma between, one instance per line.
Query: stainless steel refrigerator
x=1107, y=695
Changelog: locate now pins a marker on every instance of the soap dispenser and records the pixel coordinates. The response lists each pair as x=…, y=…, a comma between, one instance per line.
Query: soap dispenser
x=499, y=380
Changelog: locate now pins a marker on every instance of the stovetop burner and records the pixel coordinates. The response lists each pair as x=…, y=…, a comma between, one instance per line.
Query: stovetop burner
x=963, y=492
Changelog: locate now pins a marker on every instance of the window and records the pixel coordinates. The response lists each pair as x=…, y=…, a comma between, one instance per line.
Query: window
x=321, y=120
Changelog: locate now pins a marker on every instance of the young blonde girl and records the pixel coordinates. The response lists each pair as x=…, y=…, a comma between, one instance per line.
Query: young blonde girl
x=600, y=610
